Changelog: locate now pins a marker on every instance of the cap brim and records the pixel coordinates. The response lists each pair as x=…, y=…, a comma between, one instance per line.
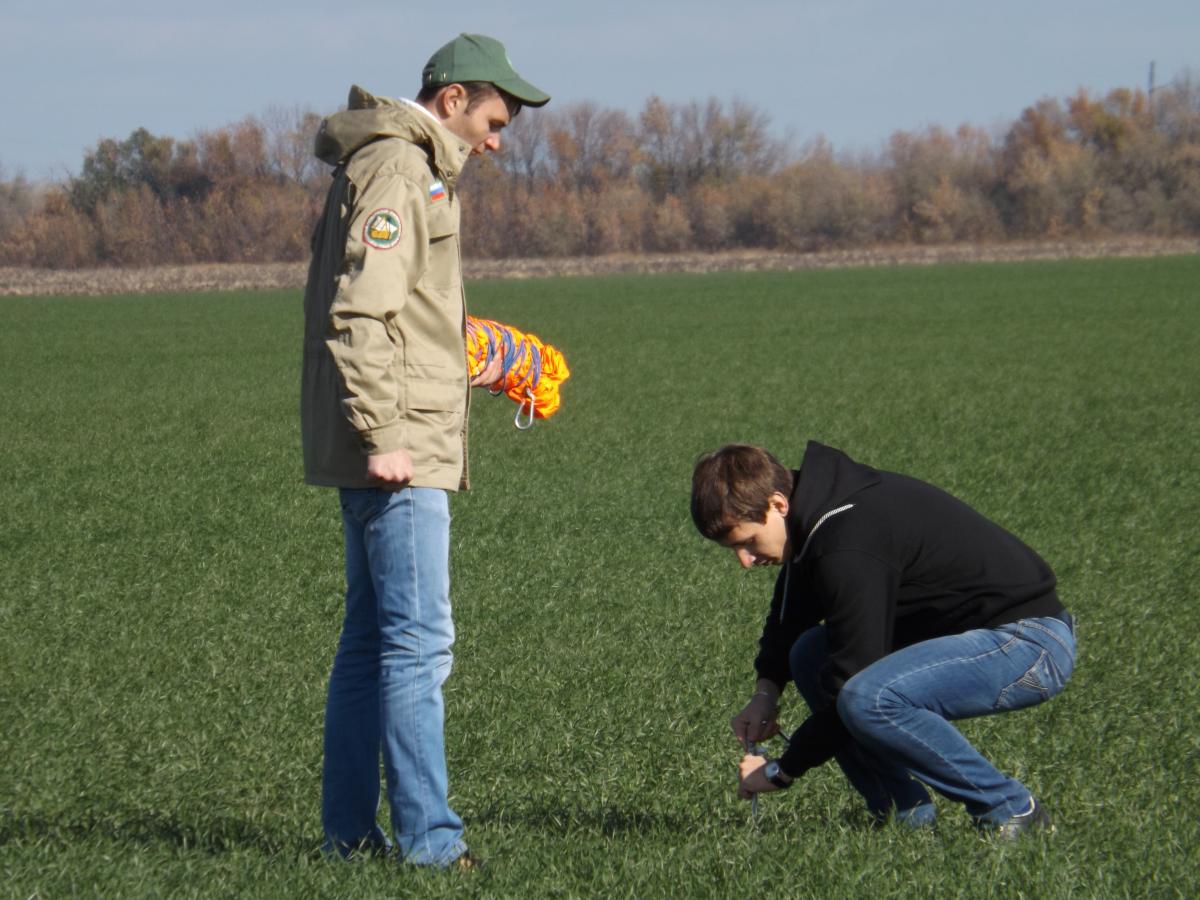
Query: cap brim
x=523, y=91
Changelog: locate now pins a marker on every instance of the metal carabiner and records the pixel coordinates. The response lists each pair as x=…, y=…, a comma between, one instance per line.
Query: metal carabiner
x=528, y=422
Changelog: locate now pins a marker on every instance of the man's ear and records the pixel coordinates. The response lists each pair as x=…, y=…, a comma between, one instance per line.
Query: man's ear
x=450, y=100
x=779, y=503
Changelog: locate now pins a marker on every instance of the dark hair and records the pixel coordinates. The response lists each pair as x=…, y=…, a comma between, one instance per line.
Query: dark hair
x=734, y=484
x=477, y=92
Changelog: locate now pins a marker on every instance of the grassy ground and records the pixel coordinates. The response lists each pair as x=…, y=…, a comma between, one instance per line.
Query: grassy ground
x=169, y=591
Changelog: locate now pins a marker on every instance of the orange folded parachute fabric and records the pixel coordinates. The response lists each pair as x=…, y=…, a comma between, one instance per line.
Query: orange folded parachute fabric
x=532, y=371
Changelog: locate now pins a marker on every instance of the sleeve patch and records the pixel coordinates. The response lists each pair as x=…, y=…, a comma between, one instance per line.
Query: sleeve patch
x=382, y=229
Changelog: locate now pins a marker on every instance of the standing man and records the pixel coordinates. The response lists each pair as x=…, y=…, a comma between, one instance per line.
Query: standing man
x=898, y=610
x=384, y=402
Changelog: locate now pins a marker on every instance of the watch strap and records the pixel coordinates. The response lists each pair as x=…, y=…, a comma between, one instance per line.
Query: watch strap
x=775, y=775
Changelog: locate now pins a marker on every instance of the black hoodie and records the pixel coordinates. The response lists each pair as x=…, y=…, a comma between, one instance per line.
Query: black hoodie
x=885, y=561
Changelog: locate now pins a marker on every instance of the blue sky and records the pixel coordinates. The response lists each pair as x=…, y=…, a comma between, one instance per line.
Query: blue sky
x=854, y=71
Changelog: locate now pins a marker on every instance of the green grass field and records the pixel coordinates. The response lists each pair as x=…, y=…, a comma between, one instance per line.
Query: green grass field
x=170, y=590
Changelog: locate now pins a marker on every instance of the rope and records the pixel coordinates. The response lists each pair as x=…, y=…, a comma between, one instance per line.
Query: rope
x=531, y=370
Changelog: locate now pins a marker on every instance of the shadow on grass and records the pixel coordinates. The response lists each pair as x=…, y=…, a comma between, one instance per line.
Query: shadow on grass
x=219, y=835
x=609, y=820
x=222, y=835
x=572, y=819
x=215, y=836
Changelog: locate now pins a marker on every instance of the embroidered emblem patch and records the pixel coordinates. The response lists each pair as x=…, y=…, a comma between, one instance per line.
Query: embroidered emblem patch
x=382, y=230
x=437, y=191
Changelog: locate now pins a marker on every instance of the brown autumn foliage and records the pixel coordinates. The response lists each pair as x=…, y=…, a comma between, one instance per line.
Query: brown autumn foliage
x=587, y=181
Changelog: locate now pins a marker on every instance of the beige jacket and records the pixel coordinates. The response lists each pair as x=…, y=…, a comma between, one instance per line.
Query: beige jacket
x=384, y=309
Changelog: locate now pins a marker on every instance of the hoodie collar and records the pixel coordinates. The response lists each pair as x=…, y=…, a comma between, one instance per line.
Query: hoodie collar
x=826, y=481
x=824, y=484
x=369, y=118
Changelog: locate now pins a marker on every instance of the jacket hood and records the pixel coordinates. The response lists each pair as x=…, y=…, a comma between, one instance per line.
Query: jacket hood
x=369, y=118
x=827, y=479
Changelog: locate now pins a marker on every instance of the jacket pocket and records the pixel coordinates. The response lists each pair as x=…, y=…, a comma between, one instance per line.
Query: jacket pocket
x=429, y=389
x=442, y=275
x=442, y=220
x=435, y=414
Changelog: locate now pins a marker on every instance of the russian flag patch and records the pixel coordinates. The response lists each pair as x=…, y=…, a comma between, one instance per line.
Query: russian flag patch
x=437, y=191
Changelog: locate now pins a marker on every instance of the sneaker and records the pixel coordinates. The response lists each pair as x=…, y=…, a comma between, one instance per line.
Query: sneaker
x=918, y=818
x=1010, y=829
x=468, y=862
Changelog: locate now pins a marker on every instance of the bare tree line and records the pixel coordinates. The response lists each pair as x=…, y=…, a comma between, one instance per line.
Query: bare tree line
x=586, y=180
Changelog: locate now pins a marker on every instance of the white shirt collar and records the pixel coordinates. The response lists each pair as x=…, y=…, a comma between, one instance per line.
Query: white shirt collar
x=416, y=105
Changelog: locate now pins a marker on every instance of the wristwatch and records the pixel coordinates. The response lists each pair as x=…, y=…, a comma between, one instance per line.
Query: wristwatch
x=775, y=775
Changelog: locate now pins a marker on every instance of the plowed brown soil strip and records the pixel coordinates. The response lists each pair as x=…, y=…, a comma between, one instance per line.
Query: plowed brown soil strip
x=266, y=276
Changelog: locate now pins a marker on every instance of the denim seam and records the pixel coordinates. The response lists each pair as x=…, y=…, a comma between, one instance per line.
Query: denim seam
x=410, y=509
x=1023, y=631
x=366, y=511
x=1029, y=681
x=915, y=738
x=1038, y=626
x=856, y=755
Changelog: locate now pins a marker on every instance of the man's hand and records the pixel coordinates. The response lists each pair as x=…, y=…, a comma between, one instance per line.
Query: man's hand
x=392, y=470
x=752, y=780
x=757, y=720
x=492, y=372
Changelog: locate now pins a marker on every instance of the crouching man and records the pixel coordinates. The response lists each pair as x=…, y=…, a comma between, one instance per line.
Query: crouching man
x=898, y=610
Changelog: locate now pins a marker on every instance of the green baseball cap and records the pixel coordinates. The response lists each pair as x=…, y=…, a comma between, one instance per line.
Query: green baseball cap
x=477, y=57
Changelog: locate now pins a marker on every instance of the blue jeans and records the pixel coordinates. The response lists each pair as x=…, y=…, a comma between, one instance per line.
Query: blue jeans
x=898, y=711
x=385, y=690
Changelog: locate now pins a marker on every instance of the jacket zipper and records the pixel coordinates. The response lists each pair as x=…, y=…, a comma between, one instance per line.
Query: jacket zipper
x=787, y=572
